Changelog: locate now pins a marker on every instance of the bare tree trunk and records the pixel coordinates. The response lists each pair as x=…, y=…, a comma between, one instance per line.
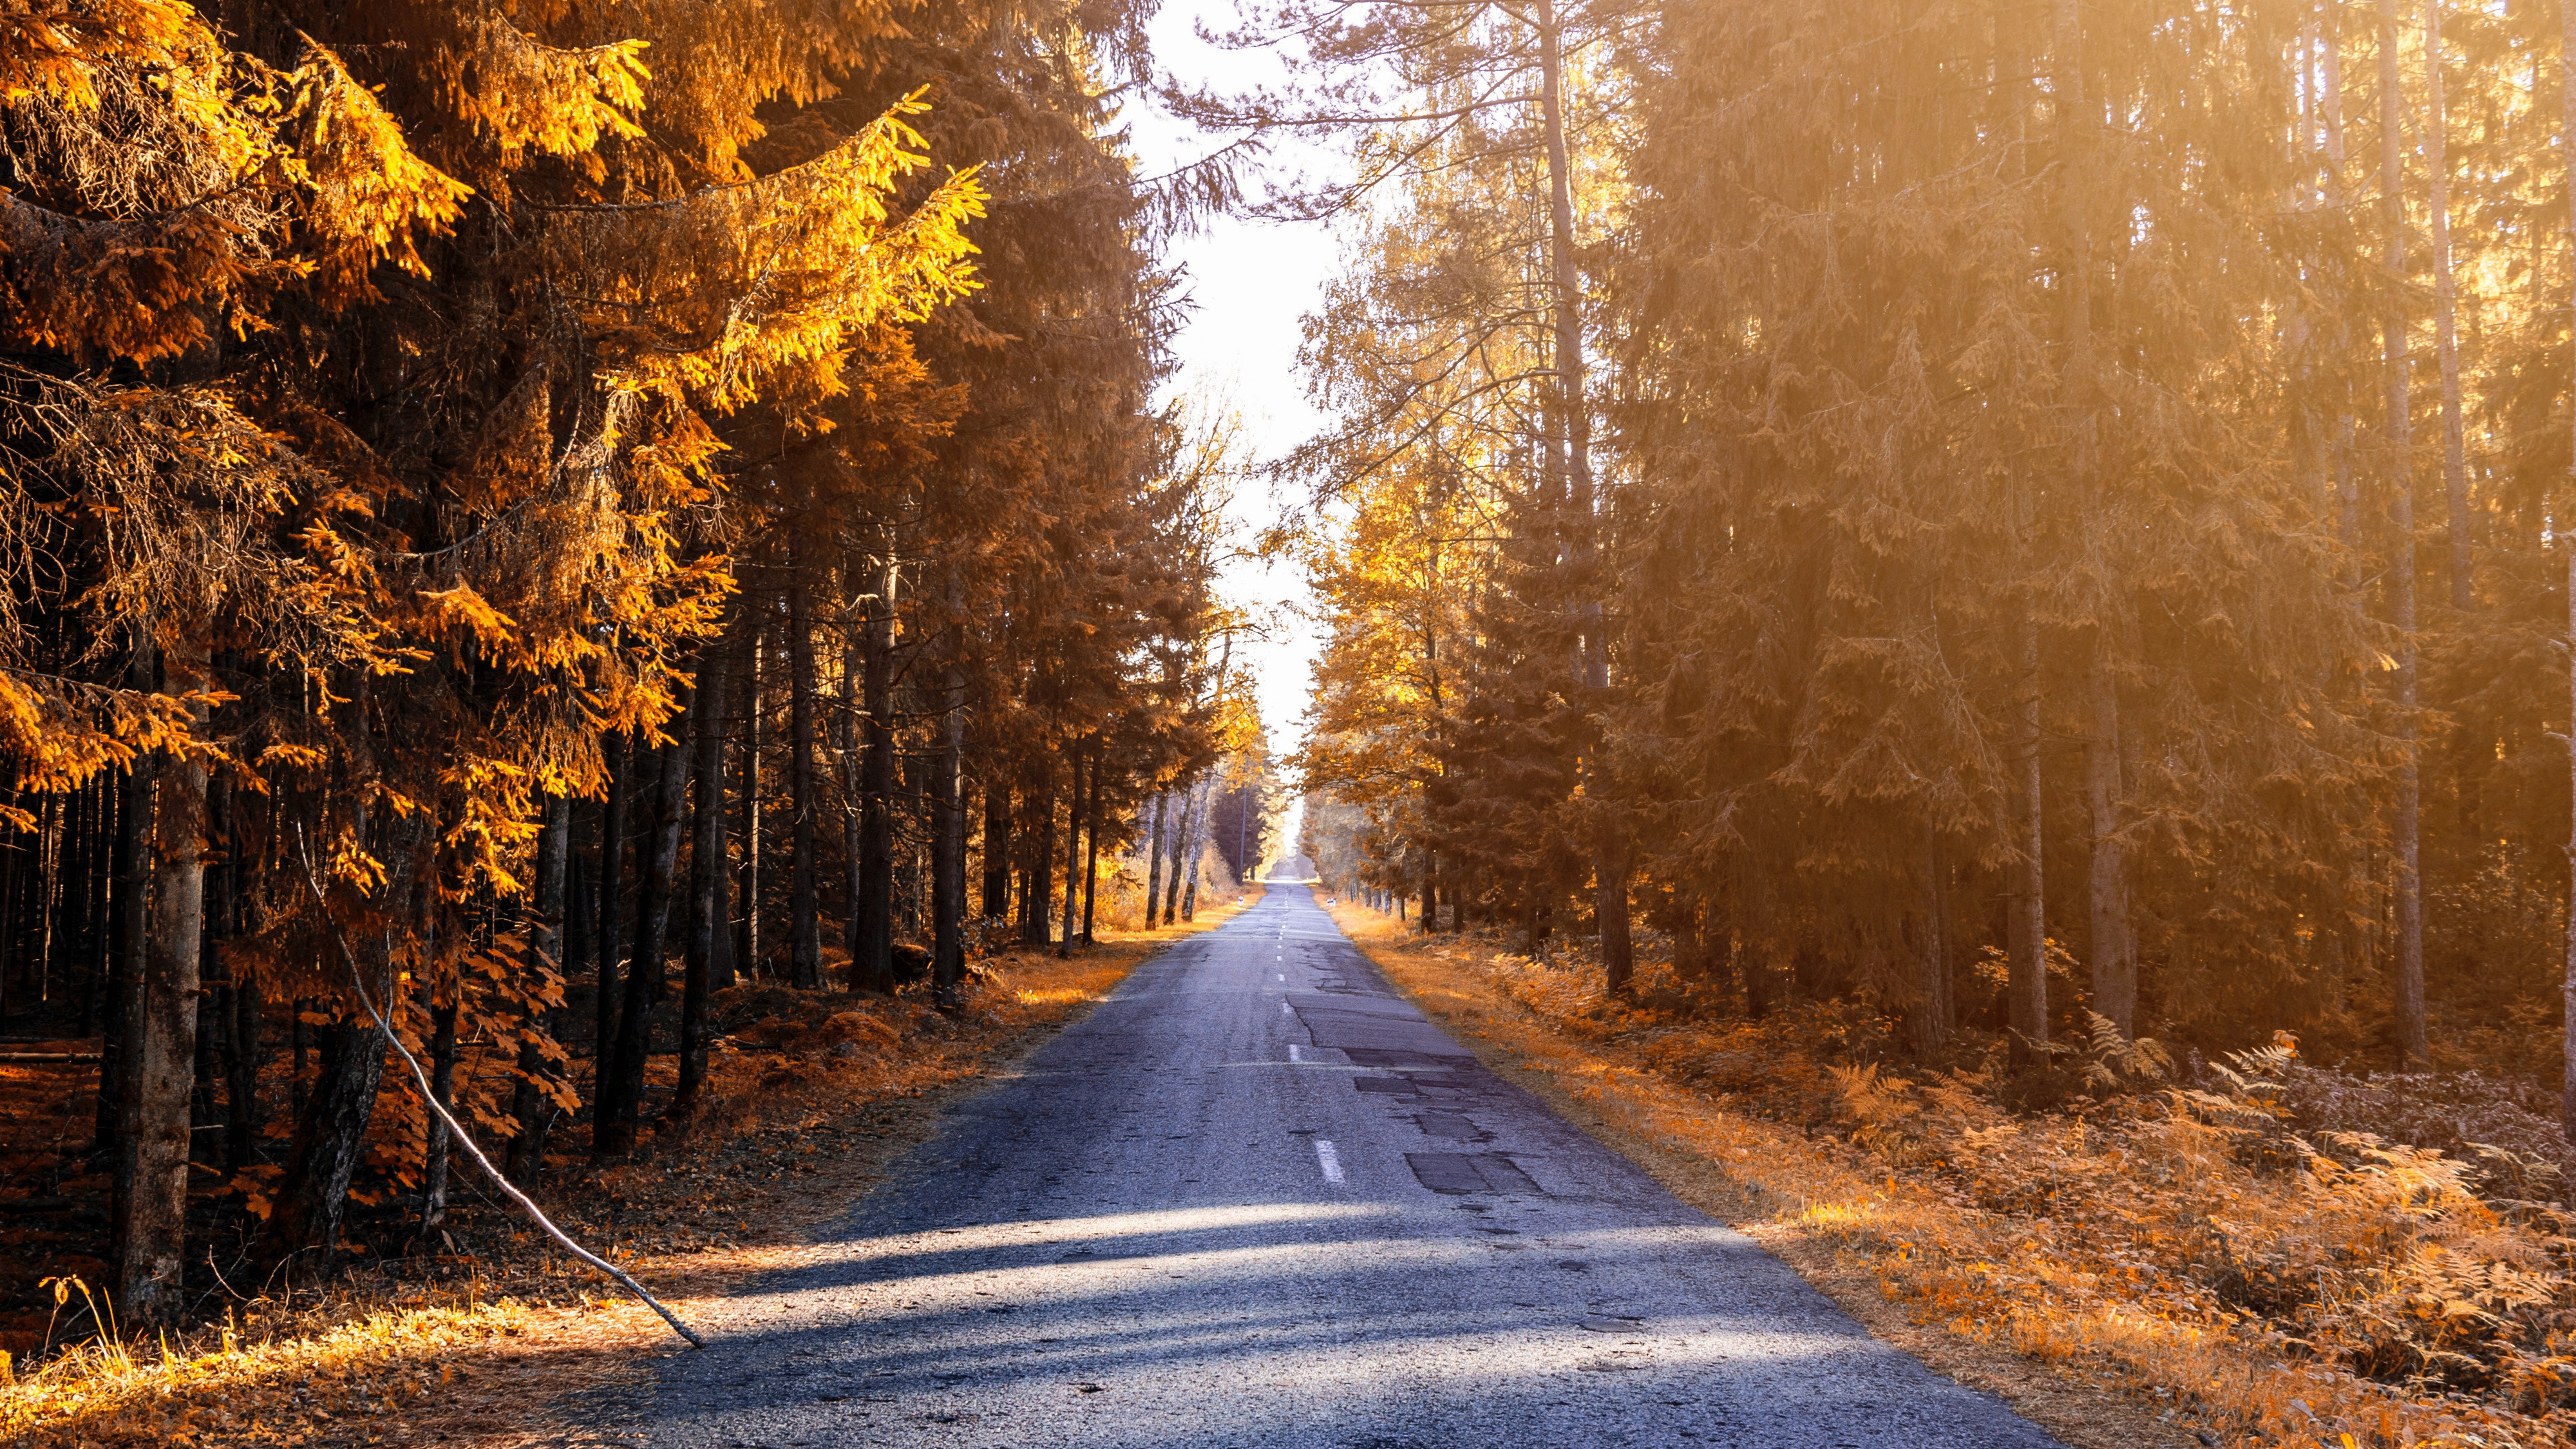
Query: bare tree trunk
x=1072, y=851
x=2437, y=166
x=49, y=884
x=2115, y=958
x=121, y=968
x=1154, y=858
x=242, y=1118
x=1184, y=795
x=912, y=873
x=997, y=848
x=2412, y=1041
x=2028, y=987
x=1197, y=848
x=2567, y=545
x=1931, y=1018
x=2115, y=975
x=707, y=907
x=1690, y=945
x=1038, y=901
x=846, y=750
x=1430, y=890
x=872, y=945
x=442, y=1085
x=1610, y=827
x=610, y=934
x=1091, y=854
x=746, y=941
x=161, y=1037
x=948, y=849
x=103, y=871
x=124, y=879
x=804, y=927
x=532, y=1106
x=621, y=1095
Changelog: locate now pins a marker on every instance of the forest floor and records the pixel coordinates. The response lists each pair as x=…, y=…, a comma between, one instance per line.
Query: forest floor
x=513, y=1345
x=2112, y=1268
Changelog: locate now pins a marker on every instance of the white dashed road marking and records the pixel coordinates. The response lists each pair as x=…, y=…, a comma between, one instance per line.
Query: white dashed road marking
x=1331, y=1161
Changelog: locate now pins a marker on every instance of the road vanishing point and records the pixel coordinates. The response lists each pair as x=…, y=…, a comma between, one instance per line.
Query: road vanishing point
x=1255, y=1199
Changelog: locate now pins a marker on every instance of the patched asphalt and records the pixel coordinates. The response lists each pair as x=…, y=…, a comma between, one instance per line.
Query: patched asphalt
x=1256, y=1199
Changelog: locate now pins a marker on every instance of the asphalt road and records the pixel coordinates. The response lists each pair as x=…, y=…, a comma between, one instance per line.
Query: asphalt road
x=1255, y=1199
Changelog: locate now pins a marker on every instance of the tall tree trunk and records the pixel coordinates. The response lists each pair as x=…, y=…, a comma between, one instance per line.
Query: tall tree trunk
x=997, y=849
x=2115, y=979
x=1073, y=810
x=1184, y=795
x=846, y=751
x=120, y=936
x=911, y=873
x=1091, y=851
x=872, y=950
x=1430, y=890
x=1753, y=944
x=532, y=1106
x=161, y=1032
x=1154, y=858
x=948, y=849
x=2028, y=970
x=121, y=962
x=212, y=1010
x=49, y=845
x=242, y=1116
x=1690, y=945
x=804, y=926
x=2412, y=1041
x=708, y=936
x=2567, y=546
x=2437, y=167
x=85, y=914
x=2114, y=963
x=1197, y=848
x=1931, y=1017
x=442, y=1086
x=746, y=940
x=2115, y=957
x=581, y=901
x=1038, y=899
x=1610, y=827
x=621, y=1097
x=610, y=934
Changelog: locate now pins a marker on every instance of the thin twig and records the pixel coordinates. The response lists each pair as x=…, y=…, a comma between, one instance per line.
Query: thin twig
x=456, y=1129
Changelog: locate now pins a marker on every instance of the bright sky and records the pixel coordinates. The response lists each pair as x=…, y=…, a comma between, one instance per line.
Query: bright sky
x=1251, y=282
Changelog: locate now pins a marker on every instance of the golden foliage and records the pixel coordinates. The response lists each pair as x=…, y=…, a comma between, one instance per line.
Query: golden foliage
x=368, y=194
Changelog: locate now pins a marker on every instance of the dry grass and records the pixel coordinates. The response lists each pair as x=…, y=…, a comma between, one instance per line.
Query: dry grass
x=517, y=1345
x=2142, y=1268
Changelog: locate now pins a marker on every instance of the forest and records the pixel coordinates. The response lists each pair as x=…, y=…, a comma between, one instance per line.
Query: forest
x=1999, y=516
x=521, y=520
x=1954, y=621
x=1960, y=612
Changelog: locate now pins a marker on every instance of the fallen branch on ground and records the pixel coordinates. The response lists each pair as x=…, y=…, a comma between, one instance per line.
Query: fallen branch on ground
x=456, y=1129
